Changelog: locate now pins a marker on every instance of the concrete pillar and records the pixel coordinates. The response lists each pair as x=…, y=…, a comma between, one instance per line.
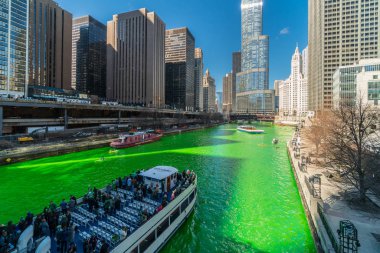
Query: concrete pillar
x=66, y=119
x=119, y=118
x=1, y=121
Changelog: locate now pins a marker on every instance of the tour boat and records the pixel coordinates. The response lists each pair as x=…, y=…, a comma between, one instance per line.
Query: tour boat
x=125, y=230
x=135, y=139
x=250, y=129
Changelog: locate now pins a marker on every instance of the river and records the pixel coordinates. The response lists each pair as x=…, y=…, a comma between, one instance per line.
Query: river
x=248, y=199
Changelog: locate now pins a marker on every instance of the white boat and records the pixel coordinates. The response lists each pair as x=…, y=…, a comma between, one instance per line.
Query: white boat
x=250, y=130
x=156, y=232
x=143, y=235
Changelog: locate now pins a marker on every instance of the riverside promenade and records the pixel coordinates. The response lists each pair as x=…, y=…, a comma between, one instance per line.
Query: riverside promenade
x=327, y=201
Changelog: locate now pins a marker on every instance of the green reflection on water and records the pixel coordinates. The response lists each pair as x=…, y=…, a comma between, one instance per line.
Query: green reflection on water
x=248, y=199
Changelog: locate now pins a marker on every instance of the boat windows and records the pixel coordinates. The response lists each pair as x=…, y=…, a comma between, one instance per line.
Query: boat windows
x=174, y=215
x=135, y=250
x=162, y=227
x=184, y=204
x=147, y=241
x=191, y=196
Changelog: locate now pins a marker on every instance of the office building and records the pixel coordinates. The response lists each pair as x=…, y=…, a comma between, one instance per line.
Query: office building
x=236, y=68
x=50, y=45
x=89, y=59
x=136, y=59
x=294, y=91
x=340, y=33
x=198, y=80
x=13, y=47
x=219, y=102
x=253, y=94
x=276, y=87
x=358, y=81
x=209, y=93
x=180, y=62
x=228, y=94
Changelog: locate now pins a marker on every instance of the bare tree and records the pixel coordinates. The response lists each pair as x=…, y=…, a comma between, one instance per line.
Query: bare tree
x=353, y=146
x=317, y=131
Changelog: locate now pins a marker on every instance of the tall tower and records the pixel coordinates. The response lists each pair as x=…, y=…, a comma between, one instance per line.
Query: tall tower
x=340, y=33
x=13, y=46
x=136, y=58
x=180, y=62
x=198, y=80
x=89, y=48
x=253, y=94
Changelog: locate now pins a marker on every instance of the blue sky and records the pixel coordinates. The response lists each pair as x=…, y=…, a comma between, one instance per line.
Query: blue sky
x=216, y=26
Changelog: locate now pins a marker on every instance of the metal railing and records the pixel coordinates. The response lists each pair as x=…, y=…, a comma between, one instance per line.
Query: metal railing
x=327, y=228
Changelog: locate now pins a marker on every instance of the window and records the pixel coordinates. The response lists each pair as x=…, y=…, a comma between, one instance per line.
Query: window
x=162, y=227
x=174, y=215
x=184, y=205
x=147, y=241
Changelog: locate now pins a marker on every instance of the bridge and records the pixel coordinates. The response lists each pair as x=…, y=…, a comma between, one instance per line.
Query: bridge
x=264, y=117
x=16, y=115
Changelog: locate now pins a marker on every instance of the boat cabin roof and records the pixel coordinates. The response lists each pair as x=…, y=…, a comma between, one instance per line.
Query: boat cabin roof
x=159, y=172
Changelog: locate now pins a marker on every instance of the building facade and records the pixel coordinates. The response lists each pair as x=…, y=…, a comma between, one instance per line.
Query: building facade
x=209, y=93
x=228, y=94
x=50, y=45
x=198, y=80
x=340, y=33
x=136, y=59
x=236, y=68
x=89, y=59
x=180, y=62
x=253, y=95
x=219, y=102
x=294, y=91
x=14, y=47
x=357, y=81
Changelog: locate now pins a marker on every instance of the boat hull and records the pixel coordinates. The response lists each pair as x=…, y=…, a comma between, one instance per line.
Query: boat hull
x=119, y=145
x=151, y=227
x=251, y=131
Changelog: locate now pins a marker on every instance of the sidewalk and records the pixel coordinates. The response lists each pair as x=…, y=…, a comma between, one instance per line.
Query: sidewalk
x=334, y=207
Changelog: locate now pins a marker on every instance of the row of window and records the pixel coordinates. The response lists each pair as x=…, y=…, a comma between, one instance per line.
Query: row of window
x=149, y=240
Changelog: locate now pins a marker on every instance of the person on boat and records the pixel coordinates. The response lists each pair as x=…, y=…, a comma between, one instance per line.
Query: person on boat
x=63, y=206
x=72, y=248
x=45, y=228
x=52, y=206
x=123, y=233
x=105, y=247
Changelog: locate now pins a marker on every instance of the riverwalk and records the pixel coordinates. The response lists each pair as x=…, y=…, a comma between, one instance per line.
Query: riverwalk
x=327, y=201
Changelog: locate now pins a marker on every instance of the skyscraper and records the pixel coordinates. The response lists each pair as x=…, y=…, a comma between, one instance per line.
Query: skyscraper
x=209, y=92
x=135, y=58
x=198, y=80
x=50, y=45
x=228, y=94
x=236, y=68
x=13, y=46
x=89, y=56
x=294, y=91
x=180, y=62
x=340, y=33
x=253, y=94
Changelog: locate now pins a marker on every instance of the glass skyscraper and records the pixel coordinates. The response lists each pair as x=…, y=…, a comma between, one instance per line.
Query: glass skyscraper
x=89, y=56
x=253, y=94
x=13, y=46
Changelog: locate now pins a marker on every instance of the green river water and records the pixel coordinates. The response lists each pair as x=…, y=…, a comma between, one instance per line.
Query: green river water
x=247, y=196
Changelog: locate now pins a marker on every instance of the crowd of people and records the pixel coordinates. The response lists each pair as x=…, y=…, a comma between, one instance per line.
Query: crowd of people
x=56, y=221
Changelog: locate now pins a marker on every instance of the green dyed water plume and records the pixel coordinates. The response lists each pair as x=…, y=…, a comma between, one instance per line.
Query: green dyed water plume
x=248, y=199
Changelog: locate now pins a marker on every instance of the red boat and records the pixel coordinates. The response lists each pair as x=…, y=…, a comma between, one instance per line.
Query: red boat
x=135, y=139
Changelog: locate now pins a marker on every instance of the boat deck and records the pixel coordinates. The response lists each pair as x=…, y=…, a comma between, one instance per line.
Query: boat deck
x=106, y=227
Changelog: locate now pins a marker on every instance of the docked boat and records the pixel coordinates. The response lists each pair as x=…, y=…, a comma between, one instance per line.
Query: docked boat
x=135, y=139
x=250, y=130
x=139, y=223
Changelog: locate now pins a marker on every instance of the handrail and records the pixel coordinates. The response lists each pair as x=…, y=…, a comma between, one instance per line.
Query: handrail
x=327, y=228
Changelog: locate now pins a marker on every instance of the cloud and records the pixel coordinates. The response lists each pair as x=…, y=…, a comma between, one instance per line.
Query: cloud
x=285, y=31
